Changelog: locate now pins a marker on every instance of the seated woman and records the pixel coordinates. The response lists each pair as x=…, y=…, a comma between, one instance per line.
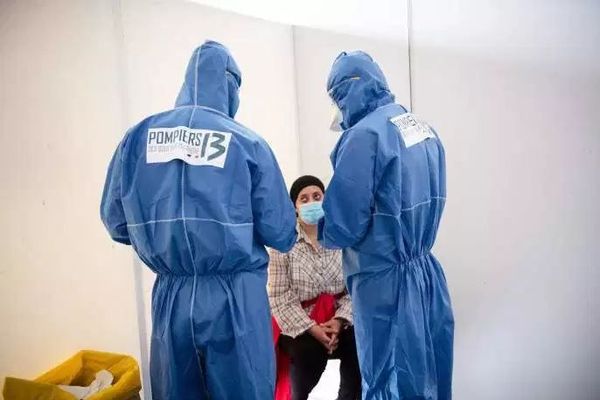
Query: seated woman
x=310, y=303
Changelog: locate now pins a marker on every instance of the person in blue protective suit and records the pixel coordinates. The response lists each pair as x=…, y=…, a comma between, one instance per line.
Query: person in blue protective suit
x=383, y=207
x=199, y=196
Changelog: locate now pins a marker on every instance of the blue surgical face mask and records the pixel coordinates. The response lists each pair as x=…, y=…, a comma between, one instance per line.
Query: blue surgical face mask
x=310, y=213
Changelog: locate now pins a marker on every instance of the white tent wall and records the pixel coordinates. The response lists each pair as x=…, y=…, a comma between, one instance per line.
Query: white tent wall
x=513, y=89
x=64, y=286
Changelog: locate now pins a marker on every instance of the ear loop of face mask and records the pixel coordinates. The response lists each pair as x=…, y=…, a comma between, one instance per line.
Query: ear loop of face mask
x=337, y=116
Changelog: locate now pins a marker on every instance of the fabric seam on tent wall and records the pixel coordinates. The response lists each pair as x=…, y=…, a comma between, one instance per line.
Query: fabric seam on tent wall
x=122, y=73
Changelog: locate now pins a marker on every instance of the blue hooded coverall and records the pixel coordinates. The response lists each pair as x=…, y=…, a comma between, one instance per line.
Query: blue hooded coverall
x=383, y=207
x=198, y=196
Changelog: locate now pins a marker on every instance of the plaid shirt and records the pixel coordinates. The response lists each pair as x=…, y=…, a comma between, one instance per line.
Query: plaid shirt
x=300, y=275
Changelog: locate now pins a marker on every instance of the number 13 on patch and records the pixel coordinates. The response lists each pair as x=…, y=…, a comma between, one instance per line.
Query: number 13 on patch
x=412, y=130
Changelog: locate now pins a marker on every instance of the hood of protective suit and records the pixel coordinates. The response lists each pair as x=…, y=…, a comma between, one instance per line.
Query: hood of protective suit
x=357, y=85
x=212, y=79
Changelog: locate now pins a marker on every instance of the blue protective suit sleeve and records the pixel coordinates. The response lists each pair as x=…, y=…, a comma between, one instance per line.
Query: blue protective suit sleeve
x=349, y=197
x=273, y=212
x=111, y=208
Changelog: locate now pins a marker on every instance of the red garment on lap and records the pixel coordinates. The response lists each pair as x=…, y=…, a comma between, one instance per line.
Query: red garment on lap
x=323, y=311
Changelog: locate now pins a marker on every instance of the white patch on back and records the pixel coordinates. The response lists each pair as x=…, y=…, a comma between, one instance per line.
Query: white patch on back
x=412, y=130
x=193, y=146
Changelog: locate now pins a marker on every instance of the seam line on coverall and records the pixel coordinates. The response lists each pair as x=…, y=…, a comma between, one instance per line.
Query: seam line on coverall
x=187, y=238
x=411, y=208
x=158, y=221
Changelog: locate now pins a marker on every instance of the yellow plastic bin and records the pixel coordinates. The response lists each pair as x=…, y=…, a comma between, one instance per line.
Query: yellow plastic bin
x=80, y=370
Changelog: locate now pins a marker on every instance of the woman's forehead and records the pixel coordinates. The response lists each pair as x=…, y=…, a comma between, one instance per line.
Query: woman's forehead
x=309, y=190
